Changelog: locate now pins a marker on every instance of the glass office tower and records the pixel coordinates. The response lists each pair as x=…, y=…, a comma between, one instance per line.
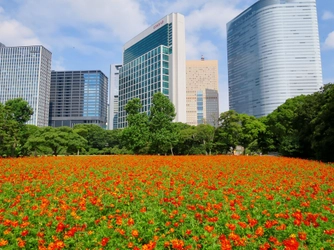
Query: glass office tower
x=154, y=61
x=78, y=97
x=273, y=54
x=26, y=72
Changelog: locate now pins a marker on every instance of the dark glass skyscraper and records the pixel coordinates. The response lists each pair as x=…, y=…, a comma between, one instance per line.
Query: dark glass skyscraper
x=78, y=97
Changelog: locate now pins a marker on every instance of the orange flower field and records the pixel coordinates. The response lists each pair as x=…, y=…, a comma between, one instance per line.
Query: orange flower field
x=159, y=202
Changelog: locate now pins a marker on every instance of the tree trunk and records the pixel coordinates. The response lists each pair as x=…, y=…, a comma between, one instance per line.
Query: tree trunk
x=171, y=150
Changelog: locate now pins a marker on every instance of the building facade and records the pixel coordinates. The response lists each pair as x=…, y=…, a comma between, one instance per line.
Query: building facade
x=273, y=54
x=113, y=96
x=154, y=61
x=202, y=92
x=78, y=97
x=26, y=72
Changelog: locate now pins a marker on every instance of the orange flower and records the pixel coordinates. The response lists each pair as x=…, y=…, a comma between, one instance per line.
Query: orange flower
x=209, y=228
x=21, y=243
x=131, y=222
x=259, y=231
x=24, y=233
x=135, y=233
x=3, y=242
x=104, y=241
x=291, y=243
x=302, y=235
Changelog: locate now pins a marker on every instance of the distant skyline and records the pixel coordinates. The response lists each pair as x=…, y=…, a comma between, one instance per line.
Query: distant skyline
x=86, y=35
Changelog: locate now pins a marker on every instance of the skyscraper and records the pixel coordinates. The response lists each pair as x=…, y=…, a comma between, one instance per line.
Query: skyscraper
x=113, y=96
x=78, y=97
x=202, y=92
x=273, y=54
x=26, y=72
x=154, y=61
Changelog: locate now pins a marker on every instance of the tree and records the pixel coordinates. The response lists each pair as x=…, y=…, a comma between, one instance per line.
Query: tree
x=205, y=134
x=55, y=139
x=136, y=135
x=34, y=141
x=280, y=124
x=229, y=131
x=18, y=110
x=162, y=114
x=251, y=129
x=13, y=116
x=322, y=139
x=94, y=135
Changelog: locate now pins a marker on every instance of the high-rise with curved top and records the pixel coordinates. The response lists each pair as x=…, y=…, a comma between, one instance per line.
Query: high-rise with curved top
x=273, y=54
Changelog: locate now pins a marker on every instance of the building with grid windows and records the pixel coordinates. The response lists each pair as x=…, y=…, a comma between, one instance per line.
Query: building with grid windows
x=202, y=92
x=25, y=72
x=154, y=61
x=78, y=97
x=273, y=54
x=113, y=96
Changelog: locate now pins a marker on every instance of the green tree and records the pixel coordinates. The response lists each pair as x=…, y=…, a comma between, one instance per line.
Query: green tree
x=136, y=135
x=13, y=116
x=18, y=110
x=229, y=132
x=322, y=139
x=205, y=133
x=163, y=134
x=94, y=135
x=251, y=129
x=281, y=127
x=55, y=139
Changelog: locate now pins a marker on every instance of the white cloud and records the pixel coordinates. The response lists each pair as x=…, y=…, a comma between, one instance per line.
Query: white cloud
x=329, y=42
x=119, y=19
x=213, y=16
x=196, y=48
x=58, y=64
x=327, y=15
x=14, y=33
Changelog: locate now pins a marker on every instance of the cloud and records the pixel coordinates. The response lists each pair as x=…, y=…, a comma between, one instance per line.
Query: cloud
x=196, y=48
x=120, y=20
x=327, y=15
x=213, y=16
x=58, y=64
x=329, y=42
x=14, y=33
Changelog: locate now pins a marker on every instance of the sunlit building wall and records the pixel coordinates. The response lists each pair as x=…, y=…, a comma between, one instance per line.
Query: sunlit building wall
x=273, y=54
x=202, y=92
x=25, y=72
x=113, y=96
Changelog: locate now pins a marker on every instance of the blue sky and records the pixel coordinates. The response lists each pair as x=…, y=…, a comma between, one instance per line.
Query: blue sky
x=89, y=35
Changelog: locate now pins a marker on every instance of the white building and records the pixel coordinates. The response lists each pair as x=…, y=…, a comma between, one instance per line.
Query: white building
x=113, y=96
x=26, y=72
x=155, y=61
x=273, y=54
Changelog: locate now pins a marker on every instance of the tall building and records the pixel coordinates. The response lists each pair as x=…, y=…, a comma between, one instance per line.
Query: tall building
x=155, y=61
x=113, y=96
x=202, y=92
x=25, y=72
x=273, y=54
x=78, y=97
